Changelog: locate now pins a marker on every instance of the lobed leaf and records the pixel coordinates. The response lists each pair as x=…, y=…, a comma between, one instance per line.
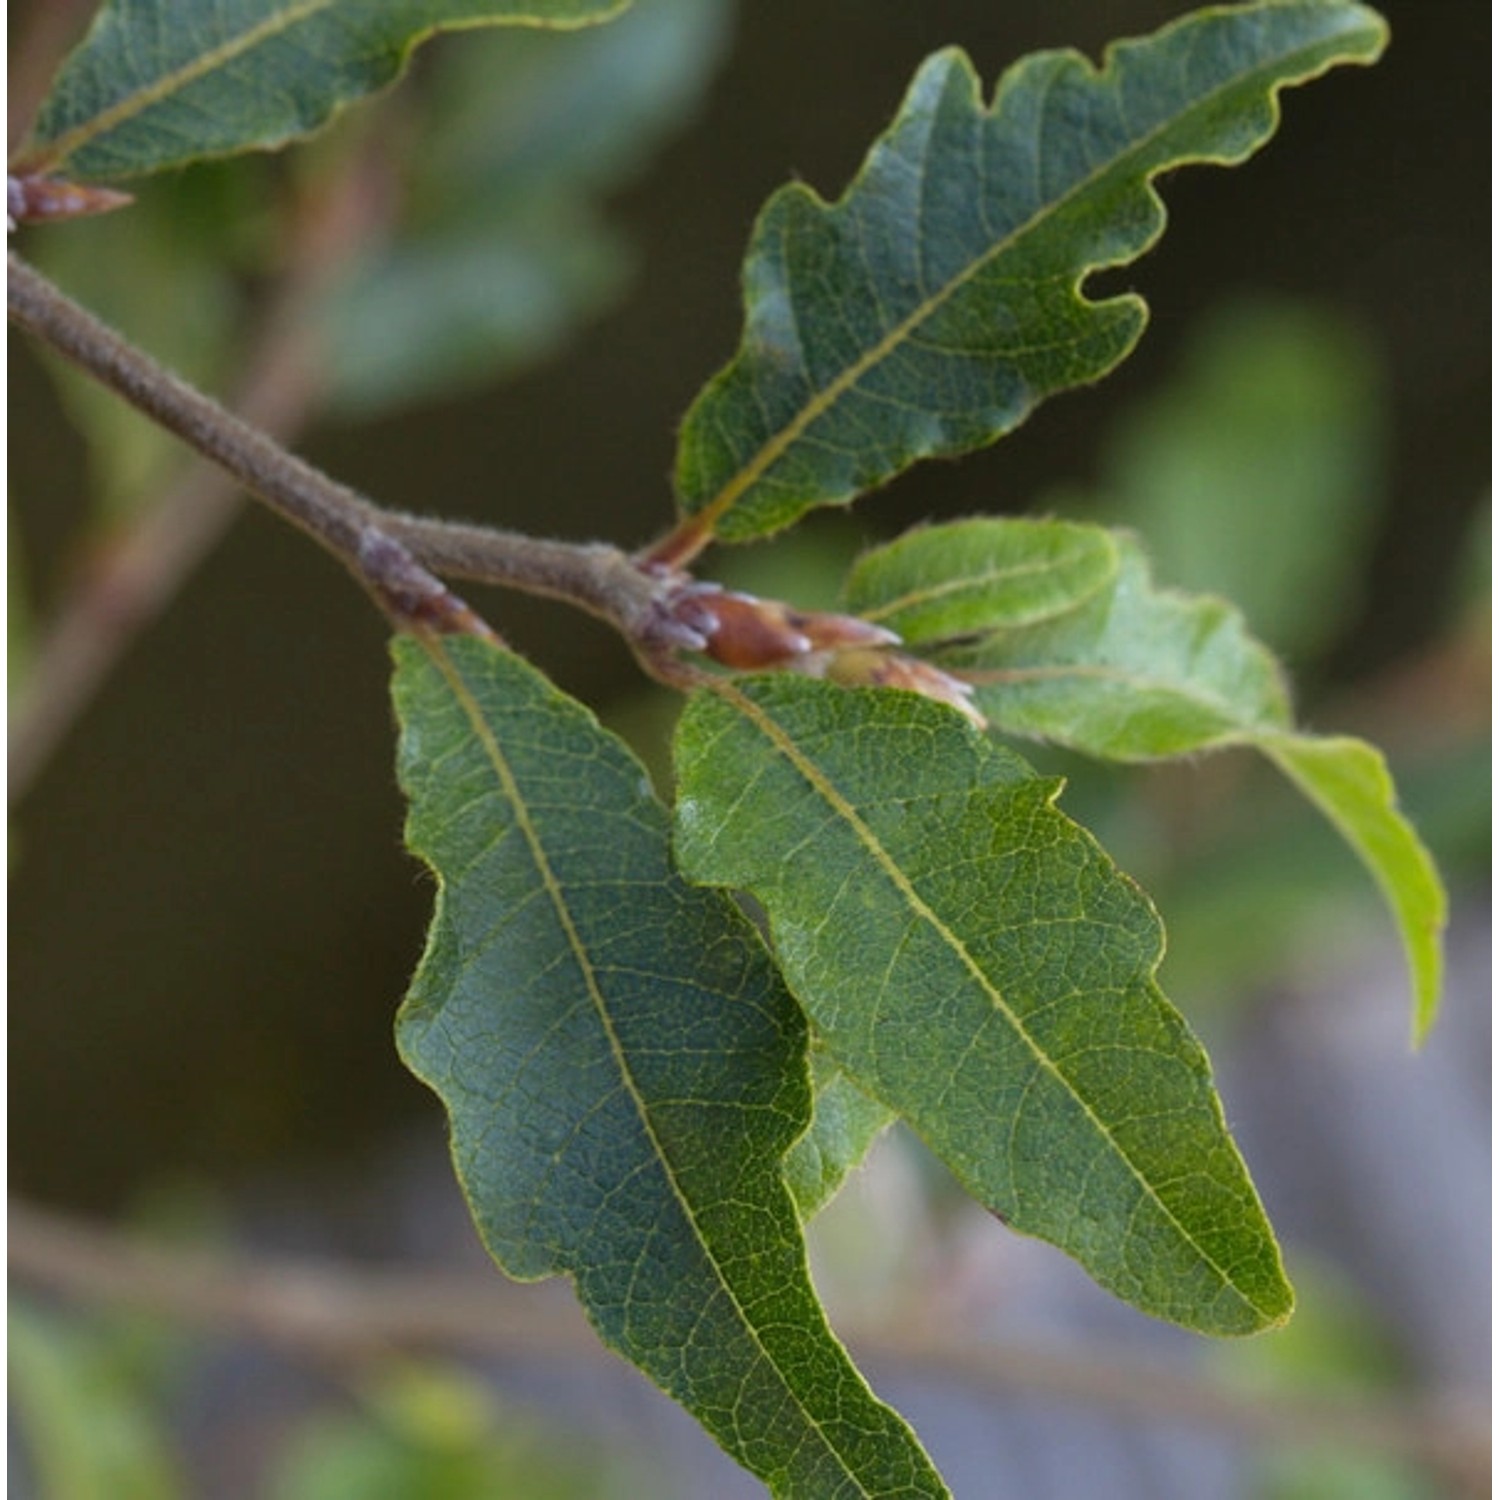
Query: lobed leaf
x=1134, y=672
x=971, y=958
x=623, y=1071
x=937, y=302
x=159, y=83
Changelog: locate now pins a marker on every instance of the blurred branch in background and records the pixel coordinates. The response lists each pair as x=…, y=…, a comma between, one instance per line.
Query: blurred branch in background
x=342, y=1315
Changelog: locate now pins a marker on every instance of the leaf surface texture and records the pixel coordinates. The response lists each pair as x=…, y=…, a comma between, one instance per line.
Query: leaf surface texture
x=158, y=83
x=970, y=957
x=623, y=1070
x=1136, y=672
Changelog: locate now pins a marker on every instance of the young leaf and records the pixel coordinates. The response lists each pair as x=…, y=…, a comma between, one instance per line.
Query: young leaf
x=937, y=302
x=949, y=580
x=972, y=959
x=623, y=1070
x=159, y=83
x=1138, y=673
x=1131, y=672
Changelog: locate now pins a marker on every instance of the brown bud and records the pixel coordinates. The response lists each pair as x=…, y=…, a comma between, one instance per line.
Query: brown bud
x=750, y=632
x=29, y=198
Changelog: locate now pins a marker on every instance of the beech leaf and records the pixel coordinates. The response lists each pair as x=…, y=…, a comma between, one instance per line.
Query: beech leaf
x=935, y=304
x=159, y=83
x=1135, y=672
x=972, y=959
x=623, y=1071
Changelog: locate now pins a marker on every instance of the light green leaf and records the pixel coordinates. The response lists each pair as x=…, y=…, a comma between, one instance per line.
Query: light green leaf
x=1133, y=672
x=1139, y=673
x=846, y=1122
x=1348, y=780
x=970, y=575
x=89, y=1423
x=931, y=308
x=159, y=83
x=972, y=959
x=623, y=1070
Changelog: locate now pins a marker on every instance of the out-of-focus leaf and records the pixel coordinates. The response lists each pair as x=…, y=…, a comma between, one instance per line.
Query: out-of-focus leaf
x=624, y=1071
x=435, y=1433
x=157, y=83
x=1138, y=673
x=87, y=1431
x=503, y=251
x=846, y=1122
x=971, y=958
x=1256, y=474
x=429, y=317
x=937, y=302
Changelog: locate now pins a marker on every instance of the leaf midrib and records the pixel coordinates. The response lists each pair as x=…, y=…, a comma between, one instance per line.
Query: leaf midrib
x=783, y=742
x=510, y=789
x=977, y=582
x=62, y=147
x=709, y=515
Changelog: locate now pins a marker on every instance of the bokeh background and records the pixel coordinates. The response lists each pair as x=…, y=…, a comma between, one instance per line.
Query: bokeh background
x=213, y=919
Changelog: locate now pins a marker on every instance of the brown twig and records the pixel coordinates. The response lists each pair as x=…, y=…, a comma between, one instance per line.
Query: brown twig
x=340, y=1313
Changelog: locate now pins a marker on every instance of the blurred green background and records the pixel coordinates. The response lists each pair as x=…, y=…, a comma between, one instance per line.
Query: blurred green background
x=212, y=917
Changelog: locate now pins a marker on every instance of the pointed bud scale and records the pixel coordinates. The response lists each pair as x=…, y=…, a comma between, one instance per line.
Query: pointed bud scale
x=31, y=198
x=860, y=667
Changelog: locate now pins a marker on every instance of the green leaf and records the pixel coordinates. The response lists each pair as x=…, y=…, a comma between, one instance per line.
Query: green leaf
x=981, y=574
x=1131, y=673
x=1348, y=780
x=972, y=959
x=931, y=308
x=87, y=1421
x=623, y=1071
x=1139, y=673
x=159, y=83
x=846, y=1123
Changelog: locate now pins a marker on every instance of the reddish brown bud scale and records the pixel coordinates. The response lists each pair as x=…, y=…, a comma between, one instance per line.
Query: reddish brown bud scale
x=32, y=199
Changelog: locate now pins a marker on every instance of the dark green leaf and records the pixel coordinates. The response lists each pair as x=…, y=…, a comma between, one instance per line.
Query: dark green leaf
x=158, y=83
x=972, y=959
x=931, y=308
x=1138, y=673
x=623, y=1070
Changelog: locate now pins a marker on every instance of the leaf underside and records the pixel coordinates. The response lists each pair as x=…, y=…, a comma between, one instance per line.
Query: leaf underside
x=157, y=84
x=623, y=1070
x=1135, y=672
x=934, y=305
x=973, y=961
